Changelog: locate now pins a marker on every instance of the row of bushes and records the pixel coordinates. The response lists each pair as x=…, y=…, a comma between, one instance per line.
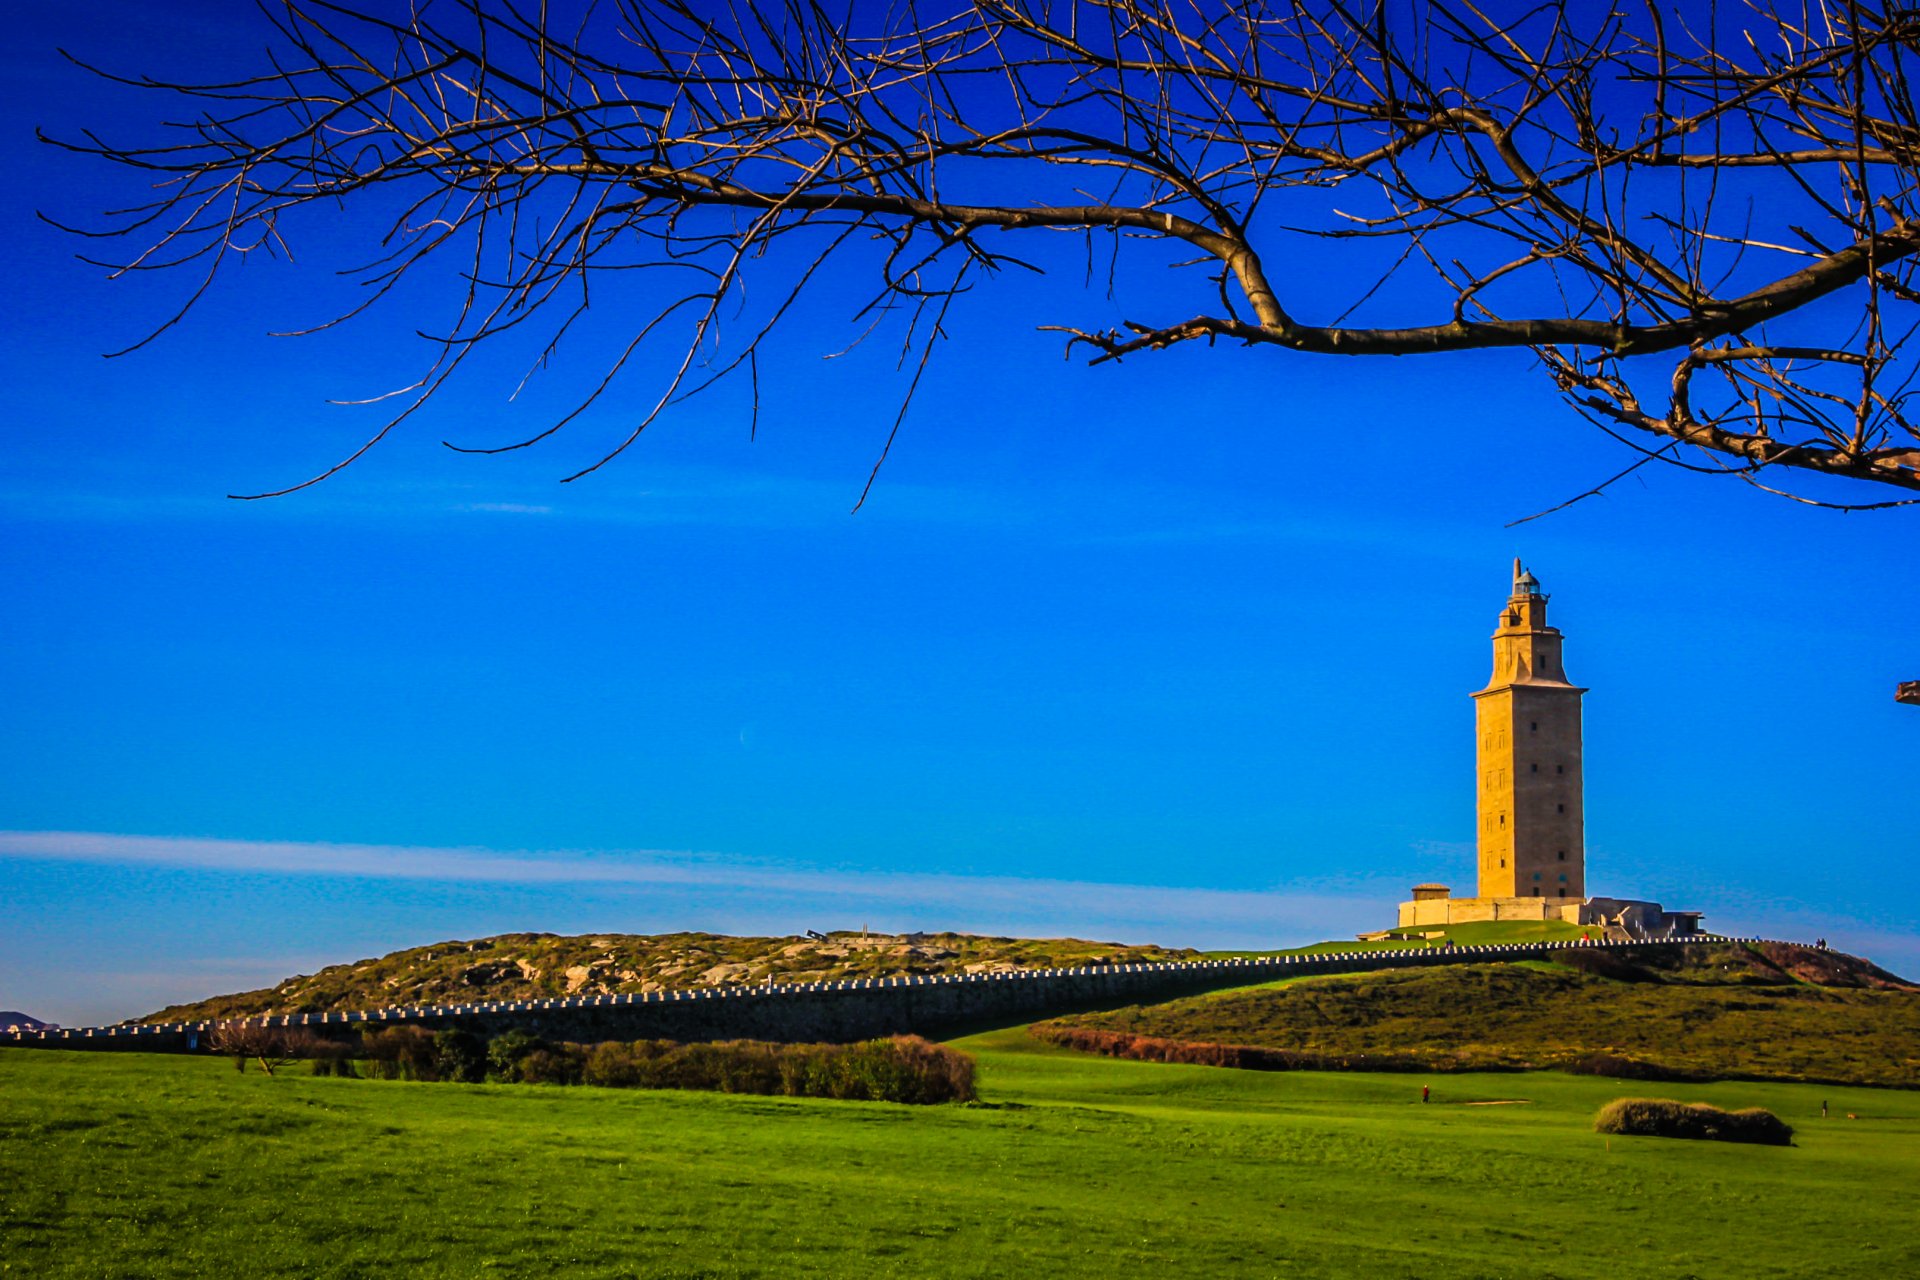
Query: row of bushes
x=1666, y=1118
x=1620, y=1067
x=1124, y=1044
x=901, y=1069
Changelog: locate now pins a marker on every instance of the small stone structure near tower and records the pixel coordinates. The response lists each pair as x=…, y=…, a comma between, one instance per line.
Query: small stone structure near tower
x=1532, y=828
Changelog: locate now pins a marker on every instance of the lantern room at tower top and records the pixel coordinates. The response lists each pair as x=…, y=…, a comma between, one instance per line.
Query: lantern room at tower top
x=1531, y=834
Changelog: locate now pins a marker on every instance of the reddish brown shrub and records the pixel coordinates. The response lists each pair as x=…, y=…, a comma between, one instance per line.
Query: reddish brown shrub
x=1122, y=1044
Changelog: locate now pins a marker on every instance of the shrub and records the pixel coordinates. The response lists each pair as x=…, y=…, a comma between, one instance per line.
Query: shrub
x=460, y=1056
x=901, y=1069
x=1620, y=1067
x=612, y=1065
x=1666, y=1118
x=1124, y=1044
x=400, y=1053
x=552, y=1064
x=333, y=1058
x=505, y=1052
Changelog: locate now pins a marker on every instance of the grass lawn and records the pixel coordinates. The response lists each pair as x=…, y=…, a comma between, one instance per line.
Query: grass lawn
x=1475, y=933
x=129, y=1165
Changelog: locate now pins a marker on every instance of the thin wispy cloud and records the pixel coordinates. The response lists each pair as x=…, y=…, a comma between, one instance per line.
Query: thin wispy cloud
x=508, y=508
x=967, y=898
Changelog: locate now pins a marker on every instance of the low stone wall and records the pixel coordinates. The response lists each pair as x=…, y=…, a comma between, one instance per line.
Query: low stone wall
x=831, y=1011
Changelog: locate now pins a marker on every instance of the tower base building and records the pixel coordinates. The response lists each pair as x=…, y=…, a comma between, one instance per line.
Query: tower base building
x=1629, y=917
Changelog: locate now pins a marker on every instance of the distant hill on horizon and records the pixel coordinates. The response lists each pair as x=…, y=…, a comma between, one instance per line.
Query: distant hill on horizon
x=538, y=966
x=10, y=1018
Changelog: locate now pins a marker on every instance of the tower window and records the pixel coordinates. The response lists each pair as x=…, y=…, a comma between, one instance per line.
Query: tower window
x=1559, y=768
x=1563, y=858
x=1503, y=819
x=1503, y=862
x=1534, y=725
x=1536, y=768
x=1561, y=808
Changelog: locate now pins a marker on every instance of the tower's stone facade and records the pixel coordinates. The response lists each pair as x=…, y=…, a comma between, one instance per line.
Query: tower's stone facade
x=1532, y=829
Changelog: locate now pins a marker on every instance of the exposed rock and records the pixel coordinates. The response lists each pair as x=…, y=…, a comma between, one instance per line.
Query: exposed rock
x=484, y=974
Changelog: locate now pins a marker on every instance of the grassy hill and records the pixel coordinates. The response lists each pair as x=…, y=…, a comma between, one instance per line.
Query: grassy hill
x=161, y=1166
x=1769, y=1010
x=535, y=966
x=532, y=966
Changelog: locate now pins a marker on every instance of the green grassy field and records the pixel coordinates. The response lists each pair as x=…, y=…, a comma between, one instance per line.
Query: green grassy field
x=1476, y=933
x=125, y=1165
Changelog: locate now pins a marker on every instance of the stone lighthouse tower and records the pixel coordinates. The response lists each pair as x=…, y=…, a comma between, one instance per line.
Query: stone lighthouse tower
x=1532, y=831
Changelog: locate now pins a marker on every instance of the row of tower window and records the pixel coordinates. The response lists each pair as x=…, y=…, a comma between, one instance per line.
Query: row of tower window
x=1558, y=808
x=1497, y=777
x=1536, y=875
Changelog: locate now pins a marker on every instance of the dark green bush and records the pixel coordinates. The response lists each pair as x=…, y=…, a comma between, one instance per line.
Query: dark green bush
x=1666, y=1118
x=505, y=1052
x=400, y=1053
x=612, y=1065
x=334, y=1058
x=552, y=1064
x=901, y=1069
x=460, y=1056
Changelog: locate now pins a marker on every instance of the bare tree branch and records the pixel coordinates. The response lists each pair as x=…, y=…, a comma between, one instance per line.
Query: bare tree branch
x=1703, y=225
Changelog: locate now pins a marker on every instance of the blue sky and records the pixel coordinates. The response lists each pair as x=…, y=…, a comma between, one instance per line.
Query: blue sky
x=1175, y=651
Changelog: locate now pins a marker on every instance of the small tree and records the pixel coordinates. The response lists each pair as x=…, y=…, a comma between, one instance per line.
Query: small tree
x=271, y=1047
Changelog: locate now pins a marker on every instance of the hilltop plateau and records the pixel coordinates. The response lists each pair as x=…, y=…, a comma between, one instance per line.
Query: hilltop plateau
x=535, y=966
x=1773, y=1011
